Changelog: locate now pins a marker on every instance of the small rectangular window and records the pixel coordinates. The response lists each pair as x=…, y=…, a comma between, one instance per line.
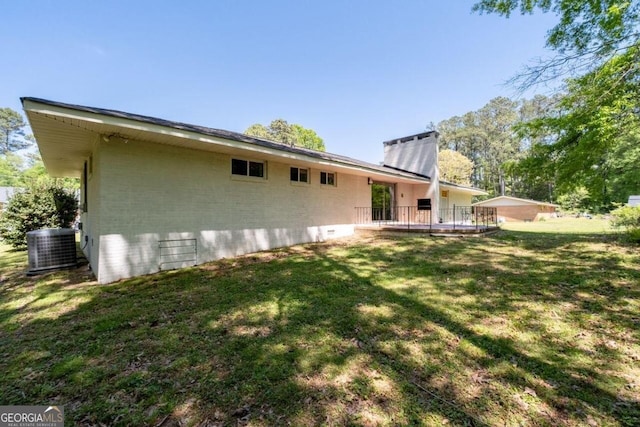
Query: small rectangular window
x=239, y=167
x=247, y=168
x=331, y=179
x=256, y=169
x=299, y=175
x=328, y=178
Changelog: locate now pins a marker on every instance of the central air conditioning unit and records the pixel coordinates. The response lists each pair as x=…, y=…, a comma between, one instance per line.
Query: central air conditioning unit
x=50, y=249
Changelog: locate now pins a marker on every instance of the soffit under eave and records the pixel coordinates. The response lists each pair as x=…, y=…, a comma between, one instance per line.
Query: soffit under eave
x=66, y=140
x=455, y=189
x=63, y=148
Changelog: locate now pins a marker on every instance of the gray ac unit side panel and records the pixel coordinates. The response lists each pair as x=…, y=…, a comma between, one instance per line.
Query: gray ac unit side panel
x=50, y=249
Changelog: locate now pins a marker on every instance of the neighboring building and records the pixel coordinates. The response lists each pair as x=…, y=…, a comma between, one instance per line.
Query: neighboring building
x=515, y=209
x=5, y=194
x=634, y=200
x=158, y=194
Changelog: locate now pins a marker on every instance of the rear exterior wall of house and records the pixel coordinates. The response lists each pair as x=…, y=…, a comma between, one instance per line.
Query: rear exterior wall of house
x=144, y=198
x=450, y=198
x=407, y=195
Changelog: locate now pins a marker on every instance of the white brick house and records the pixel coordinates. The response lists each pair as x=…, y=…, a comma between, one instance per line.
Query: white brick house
x=158, y=194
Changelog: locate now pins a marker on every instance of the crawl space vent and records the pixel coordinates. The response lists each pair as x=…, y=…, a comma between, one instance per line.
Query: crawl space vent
x=51, y=248
x=178, y=253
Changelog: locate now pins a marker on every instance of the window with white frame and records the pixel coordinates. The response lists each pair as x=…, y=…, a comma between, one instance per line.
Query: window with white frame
x=248, y=168
x=328, y=178
x=299, y=175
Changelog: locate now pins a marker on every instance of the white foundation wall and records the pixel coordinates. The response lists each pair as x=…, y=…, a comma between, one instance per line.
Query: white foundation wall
x=152, y=193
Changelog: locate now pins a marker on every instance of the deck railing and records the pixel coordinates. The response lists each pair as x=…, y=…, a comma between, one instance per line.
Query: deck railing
x=407, y=216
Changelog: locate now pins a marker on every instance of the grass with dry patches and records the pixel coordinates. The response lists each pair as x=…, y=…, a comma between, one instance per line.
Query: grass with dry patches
x=522, y=328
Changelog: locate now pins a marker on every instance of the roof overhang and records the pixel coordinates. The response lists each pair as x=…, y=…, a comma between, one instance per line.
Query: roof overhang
x=462, y=189
x=66, y=135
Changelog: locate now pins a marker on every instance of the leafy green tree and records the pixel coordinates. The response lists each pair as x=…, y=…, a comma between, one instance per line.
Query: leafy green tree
x=39, y=206
x=381, y=202
x=12, y=134
x=597, y=132
x=574, y=201
x=530, y=180
x=499, y=142
x=36, y=173
x=281, y=131
x=622, y=161
x=523, y=176
x=259, y=131
x=627, y=218
x=588, y=34
x=11, y=166
x=494, y=139
x=307, y=138
x=592, y=139
x=487, y=137
x=455, y=167
x=460, y=133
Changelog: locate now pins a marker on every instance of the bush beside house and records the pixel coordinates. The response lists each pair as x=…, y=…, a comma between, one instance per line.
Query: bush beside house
x=40, y=206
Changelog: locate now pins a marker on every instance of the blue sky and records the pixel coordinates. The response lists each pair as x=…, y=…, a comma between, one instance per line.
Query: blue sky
x=357, y=72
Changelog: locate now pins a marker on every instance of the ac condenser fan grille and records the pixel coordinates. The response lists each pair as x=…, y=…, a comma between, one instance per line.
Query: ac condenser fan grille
x=51, y=249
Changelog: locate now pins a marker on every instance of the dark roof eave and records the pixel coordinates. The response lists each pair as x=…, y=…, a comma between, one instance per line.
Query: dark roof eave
x=225, y=134
x=418, y=175
x=411, y=137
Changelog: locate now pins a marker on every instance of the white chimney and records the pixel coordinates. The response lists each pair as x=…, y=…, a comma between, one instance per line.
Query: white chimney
x=417, y=154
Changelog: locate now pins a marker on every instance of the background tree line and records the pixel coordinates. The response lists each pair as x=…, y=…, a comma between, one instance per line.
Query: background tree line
x=279, y=130
x=579, y=146
x=490, y=140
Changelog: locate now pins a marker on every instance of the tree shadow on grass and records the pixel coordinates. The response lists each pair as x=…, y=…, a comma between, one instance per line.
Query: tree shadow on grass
x=365, y=334
x=574, y=386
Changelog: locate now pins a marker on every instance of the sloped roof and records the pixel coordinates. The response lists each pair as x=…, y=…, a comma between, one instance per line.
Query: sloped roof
x=513, y=201
x=445, y=184
x=221, y=133
x=66, y=133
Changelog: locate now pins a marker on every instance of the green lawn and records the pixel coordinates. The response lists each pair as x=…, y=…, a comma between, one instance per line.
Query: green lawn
x=533, y=327
x=565, y=225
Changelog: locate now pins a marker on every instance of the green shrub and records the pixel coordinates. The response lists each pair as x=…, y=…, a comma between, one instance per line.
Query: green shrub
x=634, y=235
x=40, y=206
x=628, y=219
x=577, y=200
